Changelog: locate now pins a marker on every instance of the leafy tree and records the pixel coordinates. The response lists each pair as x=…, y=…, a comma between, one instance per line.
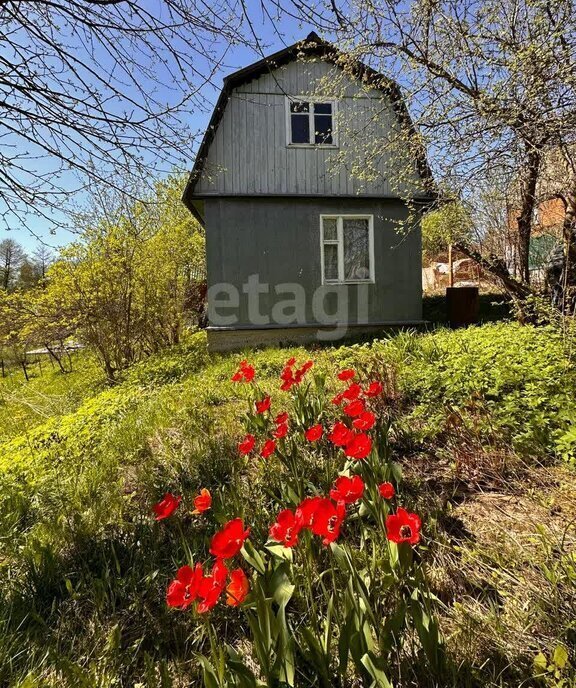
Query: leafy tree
x=449, y=224
x=123, y=286
x=14, y=337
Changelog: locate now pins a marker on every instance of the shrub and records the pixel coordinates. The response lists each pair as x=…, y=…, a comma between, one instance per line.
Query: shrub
x=504, y=384
x=173, y=364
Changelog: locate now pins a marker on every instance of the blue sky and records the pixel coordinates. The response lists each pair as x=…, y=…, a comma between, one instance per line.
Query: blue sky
x=283, y=33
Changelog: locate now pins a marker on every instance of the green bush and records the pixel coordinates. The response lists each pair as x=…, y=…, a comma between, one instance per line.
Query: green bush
x=505, y=383
x=173, y=364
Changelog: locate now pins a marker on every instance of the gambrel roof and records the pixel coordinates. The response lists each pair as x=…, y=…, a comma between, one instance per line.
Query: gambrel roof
x=311, y=46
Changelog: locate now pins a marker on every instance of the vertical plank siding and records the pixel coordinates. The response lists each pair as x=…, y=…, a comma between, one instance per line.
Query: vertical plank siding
x=249, y=155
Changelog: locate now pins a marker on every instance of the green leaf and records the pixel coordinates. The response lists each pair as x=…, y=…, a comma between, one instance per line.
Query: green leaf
x=285, y=650
x=242, y=675
x=370, y=663
x=208, y=673
x=280, y=552
x=280, y=586
x=428, y=632
x=346, y=633
x=253, y=557
x=396, y=471
x=340, y=556
x=318, y=658
x=540, y=662
x=560, y=657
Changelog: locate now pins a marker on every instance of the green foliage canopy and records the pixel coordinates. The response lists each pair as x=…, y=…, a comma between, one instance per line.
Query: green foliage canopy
x=449, y=224
x=123, y=287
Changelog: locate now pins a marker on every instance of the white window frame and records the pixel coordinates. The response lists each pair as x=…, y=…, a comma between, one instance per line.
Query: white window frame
x=311, y=100
x=339, y=241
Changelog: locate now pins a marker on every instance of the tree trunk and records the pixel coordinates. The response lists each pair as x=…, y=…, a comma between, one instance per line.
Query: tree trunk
x=527, y=203
x=569, y=233
x=56, y=358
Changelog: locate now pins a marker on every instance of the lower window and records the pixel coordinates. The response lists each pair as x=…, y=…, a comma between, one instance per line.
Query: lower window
x=347, y=248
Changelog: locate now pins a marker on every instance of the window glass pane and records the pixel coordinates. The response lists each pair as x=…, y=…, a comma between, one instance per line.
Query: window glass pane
x=323, y=108
x=330, y=229
x=299, y=106
x=300, y=129
x=323, y=129
x=330, y=261
x=356, y=251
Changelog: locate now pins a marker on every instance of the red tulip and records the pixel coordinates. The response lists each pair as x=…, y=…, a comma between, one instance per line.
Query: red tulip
x=403, y=526
x=314, y=433
x=347, y=490
x=237, y=588
x=364, y=421
x=299, y=374
x=203, y=502
x=352, y=393
x=373, y=389
x=268, y=449
x=228, y=541
x=281, y=418
x=359, y=446
x=287, y=375
x=285, y=529
x=354, y=408
x=184, y=590
x=327, y=520
x=337, y=400
x=211, y=587
x=340, y=434
x=244, y=373
x=264, y=405
x=247, y=444
x=281, y=431
x=290, y=377
x=304, y=514
x=386, y=490
x=346, y=374
x=167, y=506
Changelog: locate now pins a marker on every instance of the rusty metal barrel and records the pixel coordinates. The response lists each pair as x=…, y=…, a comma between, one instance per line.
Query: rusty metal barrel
x=462, y=305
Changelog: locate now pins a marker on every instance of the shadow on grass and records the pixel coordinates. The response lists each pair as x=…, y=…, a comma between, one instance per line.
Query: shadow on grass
x=492, y=308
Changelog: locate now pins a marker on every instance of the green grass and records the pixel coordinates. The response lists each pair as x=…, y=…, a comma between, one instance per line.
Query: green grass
x=83, y=567
x=48, y=393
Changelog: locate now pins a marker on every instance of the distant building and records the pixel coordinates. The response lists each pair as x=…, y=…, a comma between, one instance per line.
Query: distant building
x=545, y=237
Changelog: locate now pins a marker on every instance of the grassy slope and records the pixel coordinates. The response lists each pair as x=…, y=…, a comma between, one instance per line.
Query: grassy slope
x=479, y=416
x=48, y=394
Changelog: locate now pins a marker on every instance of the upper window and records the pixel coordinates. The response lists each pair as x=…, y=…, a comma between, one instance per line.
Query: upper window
x=347, y=248
x=310, y=123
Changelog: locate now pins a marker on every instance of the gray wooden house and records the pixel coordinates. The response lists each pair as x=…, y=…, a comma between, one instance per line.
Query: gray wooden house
x=301, y=191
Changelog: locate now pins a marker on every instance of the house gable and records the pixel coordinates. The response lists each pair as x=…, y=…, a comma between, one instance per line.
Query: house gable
x=245, y=151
